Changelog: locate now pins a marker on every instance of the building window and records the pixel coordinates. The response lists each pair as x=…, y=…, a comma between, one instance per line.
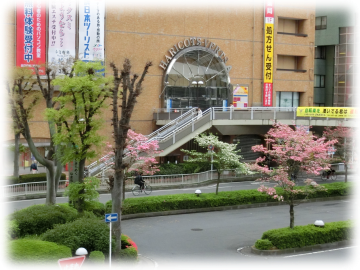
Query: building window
x=287, y=99
x=293, y=27
x=320, y=52
x=197, y=78
x=319, y=81
x=290, y=63
x=320, y=23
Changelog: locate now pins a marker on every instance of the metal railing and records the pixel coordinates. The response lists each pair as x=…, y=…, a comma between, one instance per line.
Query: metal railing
x=154, y=180
x=104, y=163
x=29, y=188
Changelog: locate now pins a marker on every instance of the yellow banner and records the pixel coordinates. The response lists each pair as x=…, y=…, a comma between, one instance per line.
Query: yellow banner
x=331, y=112
x=268, y=53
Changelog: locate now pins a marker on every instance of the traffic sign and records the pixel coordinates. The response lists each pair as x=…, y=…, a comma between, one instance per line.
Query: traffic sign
x=211, y=147
x=71, y=263
x=111, y=217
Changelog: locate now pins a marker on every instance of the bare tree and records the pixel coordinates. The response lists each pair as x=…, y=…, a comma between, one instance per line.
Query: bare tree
x=22, y=89
x=121, y=123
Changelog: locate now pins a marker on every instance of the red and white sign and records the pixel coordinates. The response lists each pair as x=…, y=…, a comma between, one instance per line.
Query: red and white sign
x=31, y=34
x=268, y=53
x=71, y=263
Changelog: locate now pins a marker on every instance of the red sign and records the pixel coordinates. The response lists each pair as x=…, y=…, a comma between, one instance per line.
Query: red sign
x=268, y=90
x=269, y=9
x=71, y=263
x=31, y=34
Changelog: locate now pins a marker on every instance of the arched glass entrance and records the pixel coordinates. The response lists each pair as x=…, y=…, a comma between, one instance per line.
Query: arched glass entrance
x=196, y=77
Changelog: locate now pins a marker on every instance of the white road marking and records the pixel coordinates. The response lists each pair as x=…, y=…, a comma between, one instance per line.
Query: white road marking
x=319, y=252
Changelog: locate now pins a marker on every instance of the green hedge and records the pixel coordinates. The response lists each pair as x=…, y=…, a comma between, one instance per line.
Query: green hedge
x=128, y=258
x=309, y=235
x=225, y=198
x=129, y=250
x=89, y=233
x=96, y=257
x=8, y=229
x=36, y=219
x=96, y=207
x=263, y=244
x=9, y=180
x=37, y=251
x=29, y=178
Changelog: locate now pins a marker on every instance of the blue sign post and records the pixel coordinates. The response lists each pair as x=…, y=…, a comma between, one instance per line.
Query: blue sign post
x=113, y=217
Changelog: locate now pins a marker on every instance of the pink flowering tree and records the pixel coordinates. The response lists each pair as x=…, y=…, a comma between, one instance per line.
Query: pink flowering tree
x=293, y=150
x=139, y=156
x=344, y=146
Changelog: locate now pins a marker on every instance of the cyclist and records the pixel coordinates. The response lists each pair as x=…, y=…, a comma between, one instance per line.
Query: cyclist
x=329, y=172
x=139, y=181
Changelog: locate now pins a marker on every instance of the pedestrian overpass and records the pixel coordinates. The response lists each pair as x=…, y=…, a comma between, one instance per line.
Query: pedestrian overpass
x=181, y=125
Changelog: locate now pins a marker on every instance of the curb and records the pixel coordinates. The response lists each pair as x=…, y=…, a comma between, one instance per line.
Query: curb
x=318, y=247
x=145, y=263
x=224, y=208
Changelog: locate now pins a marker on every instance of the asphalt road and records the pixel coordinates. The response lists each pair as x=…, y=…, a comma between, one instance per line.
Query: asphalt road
x=218, y=239
x=214, y=238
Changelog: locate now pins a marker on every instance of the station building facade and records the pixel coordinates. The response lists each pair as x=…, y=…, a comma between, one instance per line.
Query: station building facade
x=200, y=57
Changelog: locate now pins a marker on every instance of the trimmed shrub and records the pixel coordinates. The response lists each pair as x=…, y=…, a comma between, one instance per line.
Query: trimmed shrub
x=38, y=177
x=28, y=250
x=89, y=233
x=96, y=257
x=127, y=258
x=129, y=250
x=263, y=244
x=96, y=207
x=224, y=198
x=9, y=180
x=8, y=229
x=309, y=235
x=36, y=219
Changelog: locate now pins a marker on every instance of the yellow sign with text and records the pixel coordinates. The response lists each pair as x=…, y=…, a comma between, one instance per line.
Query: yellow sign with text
x=268, y=53
x=330, y=112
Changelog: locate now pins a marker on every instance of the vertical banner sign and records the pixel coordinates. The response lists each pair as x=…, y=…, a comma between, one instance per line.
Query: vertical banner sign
x=31, y=34
x=268, y=54
x=91, y=30
x=240, y=96
x=61, y=32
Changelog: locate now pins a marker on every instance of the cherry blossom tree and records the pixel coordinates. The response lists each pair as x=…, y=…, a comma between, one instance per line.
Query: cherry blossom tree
x=139, y=156
x=344, y=145
x=293, y=150
x=224, y=155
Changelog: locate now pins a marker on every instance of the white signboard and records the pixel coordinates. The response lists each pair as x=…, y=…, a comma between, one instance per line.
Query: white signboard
x=62, y=20
x=91, y=30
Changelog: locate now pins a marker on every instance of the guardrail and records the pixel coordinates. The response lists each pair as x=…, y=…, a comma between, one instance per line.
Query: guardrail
x=154, y=180
x=29, y=188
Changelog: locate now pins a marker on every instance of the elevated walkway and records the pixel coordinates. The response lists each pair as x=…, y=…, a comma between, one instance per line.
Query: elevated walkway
x=180, y=126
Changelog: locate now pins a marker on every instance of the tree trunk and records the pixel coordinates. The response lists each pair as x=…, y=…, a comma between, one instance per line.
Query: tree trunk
x=79, y=204
x=49, y=164
x=217, y=184
x=16, y=155
x=50, y=191
x=117, y=206
x=346, y=171
x=292, y=216
x=123, y=189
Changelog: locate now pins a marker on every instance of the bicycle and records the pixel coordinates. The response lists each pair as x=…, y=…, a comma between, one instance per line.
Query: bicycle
x=136, y=189
x=328, y=175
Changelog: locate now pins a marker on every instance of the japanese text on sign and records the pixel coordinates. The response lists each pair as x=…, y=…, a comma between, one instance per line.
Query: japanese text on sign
x=331, y=112
x=268, y=54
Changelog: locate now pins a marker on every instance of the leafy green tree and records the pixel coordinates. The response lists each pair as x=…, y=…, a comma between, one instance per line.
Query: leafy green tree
x=224, y=155
x=78, y=115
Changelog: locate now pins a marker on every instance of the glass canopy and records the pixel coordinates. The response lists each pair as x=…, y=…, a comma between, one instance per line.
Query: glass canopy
x=196, y=78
